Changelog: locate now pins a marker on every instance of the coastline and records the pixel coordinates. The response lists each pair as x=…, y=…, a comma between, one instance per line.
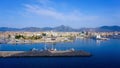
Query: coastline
x=36, y=41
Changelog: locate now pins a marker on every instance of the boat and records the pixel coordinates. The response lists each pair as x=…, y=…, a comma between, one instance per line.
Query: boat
x=98, y=37
x=34, y=49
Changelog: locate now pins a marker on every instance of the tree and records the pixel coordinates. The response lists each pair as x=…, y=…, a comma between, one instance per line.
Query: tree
x=19, y=36
x=9, y=36
x=43, y=34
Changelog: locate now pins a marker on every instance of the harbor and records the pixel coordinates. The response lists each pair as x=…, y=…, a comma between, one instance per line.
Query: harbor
x=102, y=53
x=46, y=52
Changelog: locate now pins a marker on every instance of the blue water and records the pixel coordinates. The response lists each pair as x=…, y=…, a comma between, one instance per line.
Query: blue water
x=106, y=54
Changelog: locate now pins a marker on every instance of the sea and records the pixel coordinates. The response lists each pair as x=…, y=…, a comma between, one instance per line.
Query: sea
x=105, y=54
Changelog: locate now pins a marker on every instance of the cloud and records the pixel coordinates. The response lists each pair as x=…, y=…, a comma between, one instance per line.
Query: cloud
x=51, y=12
x=46, y=2
x=46, y=9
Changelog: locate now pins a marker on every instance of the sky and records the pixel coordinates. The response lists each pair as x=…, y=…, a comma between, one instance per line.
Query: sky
x=52, y=13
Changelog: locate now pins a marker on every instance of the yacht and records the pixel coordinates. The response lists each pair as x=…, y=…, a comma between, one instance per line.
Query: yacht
x=98, y=37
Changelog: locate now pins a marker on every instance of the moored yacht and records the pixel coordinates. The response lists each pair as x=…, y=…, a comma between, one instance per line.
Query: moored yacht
x=98, y=37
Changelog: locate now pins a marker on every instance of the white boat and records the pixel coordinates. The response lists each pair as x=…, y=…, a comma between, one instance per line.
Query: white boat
x=34, y=49
x=98, y=37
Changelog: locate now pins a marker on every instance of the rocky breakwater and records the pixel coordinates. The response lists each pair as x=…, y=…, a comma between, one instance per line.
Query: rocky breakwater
x=44, y=54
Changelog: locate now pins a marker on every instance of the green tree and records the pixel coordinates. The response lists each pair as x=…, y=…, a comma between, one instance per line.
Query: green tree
x=19, y=37
x=43, y=34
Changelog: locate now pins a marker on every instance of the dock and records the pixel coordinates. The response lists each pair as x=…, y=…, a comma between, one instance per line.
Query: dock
x=46, y=53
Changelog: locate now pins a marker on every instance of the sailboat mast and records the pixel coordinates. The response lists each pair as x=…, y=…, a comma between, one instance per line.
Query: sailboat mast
x=45, y=48
x=52, y=47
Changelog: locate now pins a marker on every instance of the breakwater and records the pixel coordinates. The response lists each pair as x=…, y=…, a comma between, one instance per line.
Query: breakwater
x=44, y=53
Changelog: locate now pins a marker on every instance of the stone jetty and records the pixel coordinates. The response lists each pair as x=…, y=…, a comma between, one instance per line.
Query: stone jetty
x=44, y=53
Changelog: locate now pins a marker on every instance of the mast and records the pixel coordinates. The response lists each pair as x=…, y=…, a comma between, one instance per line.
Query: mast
x=45, y=48
x=52, y=47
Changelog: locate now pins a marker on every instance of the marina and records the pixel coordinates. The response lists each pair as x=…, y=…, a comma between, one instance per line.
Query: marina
x=51, y=52
x=105, y=54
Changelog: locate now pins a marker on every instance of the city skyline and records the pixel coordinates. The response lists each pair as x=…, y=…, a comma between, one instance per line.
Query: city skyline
x=52, y=13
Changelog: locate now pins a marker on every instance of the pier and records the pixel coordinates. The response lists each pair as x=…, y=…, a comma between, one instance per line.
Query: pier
x=44, y=54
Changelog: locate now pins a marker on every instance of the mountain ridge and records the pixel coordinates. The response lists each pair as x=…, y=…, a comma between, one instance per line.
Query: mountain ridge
x=62, y=28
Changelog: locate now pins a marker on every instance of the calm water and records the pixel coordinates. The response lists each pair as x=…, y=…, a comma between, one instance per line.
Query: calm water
x=106, y=54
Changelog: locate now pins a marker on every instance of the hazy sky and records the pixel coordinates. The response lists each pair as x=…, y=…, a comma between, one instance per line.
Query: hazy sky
x=45, y=13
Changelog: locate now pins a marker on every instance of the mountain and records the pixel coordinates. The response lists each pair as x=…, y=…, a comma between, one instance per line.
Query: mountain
x=47, y=29
x=31, y=29
x=8, y=29
x=109, y=28
x=63, y=28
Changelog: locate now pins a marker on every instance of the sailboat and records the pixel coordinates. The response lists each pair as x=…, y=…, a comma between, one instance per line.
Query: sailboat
x=53, y=49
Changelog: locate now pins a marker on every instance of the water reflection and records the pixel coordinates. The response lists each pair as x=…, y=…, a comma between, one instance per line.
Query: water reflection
x=77, y=44
x=98, y=42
